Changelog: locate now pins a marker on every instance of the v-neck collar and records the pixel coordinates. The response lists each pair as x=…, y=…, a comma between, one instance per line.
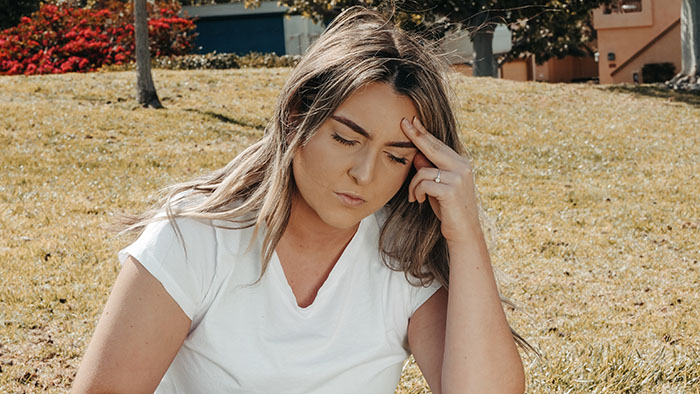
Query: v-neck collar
x=340, y=266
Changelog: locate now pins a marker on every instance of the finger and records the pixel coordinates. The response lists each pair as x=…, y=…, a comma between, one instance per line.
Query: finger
x=434, y=150
x=428, y=174
x=426, y=188
x=420, y=161
x=423, y=174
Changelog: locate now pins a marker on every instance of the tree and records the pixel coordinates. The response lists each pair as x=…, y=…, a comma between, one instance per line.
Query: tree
x=12, y=10
x=147, y=95
x=689, y=77
x=481, y=25
x=561, y=28
x=544, y=28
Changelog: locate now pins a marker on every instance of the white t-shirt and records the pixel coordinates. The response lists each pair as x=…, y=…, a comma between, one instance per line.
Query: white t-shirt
x=255, y=338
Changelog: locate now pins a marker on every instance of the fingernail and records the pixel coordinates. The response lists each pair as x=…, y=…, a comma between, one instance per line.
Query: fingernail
x=405, y=122
x=418, y=129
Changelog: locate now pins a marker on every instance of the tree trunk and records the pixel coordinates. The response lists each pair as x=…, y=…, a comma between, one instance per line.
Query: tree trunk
x=482, y=27
x=144, y=81
x=484, y=62
x=689, y=77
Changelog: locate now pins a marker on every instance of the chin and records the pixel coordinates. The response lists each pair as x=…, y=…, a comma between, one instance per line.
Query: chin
x=343, y=222
x=342, y=219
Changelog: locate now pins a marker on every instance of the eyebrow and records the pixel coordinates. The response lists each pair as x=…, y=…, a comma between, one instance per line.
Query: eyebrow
x=359, y=130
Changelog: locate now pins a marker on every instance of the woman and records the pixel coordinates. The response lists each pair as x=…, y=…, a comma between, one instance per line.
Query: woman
x=312, y=263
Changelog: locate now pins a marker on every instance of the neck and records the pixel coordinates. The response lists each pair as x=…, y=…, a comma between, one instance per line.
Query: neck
x=306, y=228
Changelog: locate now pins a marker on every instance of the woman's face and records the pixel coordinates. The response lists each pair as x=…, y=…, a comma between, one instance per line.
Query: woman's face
x=358, y=158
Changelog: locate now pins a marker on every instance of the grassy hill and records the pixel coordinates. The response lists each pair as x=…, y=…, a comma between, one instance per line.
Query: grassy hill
x=594, y=193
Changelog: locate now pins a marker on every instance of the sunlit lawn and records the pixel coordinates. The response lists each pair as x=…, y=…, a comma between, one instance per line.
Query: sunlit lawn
x=594, y=192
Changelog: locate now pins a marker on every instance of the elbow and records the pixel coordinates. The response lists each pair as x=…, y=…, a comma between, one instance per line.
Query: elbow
x=513, y=380
x=519, y=384
x=86, y=389
x=93, y=390
x=506, y=380
x=83, y=387
x=517, y=381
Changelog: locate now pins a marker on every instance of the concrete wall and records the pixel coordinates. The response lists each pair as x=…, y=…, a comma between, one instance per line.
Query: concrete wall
x=458, y=47
x=666, y=49
x=567, y=69
x=636, y=39
x=463, y=69
x=517, y=70
x=299, y=33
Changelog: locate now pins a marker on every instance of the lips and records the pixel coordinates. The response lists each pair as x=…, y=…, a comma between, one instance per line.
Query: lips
x=350, y=199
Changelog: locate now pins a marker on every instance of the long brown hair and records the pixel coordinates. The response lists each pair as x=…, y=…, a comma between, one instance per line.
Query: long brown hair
x=359, y=47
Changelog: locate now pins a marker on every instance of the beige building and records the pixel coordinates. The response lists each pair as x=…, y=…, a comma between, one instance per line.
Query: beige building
x=567, y=69
x=460, y=51
x=633, y=33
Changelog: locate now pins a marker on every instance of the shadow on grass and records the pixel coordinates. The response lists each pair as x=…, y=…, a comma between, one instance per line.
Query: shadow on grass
x=659, y=91
x=227, y=119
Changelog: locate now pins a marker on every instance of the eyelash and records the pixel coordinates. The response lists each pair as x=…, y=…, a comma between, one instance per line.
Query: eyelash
x=352, y=143
x=343, y=140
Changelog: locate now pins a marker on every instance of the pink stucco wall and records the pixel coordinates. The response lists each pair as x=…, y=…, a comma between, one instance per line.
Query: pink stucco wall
x=627, y=35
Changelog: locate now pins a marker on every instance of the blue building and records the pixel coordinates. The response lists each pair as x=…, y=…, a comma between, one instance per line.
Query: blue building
x=231, y=28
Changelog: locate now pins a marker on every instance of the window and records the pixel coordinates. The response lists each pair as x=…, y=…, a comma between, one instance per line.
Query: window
x=623, y=7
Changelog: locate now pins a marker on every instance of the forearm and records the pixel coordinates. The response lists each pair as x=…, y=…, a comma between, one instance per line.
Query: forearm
x=480, y=353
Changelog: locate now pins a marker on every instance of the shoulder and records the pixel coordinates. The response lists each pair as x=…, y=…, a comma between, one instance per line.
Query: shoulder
x=206, y=236
x=185, y=228
x=194, y=232
x=177, y=238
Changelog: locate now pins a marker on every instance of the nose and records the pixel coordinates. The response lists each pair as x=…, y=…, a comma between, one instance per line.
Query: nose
x=362, y=167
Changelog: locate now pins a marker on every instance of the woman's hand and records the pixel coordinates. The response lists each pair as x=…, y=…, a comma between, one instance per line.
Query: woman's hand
x=445, y=179
x=479, y=353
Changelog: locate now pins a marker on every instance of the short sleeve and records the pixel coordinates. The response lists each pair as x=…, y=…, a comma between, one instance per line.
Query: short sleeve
x=184, y=266
x=420, y=294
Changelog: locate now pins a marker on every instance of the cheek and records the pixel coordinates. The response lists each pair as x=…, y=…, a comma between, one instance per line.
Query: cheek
x=314, y=164
x=393, y=181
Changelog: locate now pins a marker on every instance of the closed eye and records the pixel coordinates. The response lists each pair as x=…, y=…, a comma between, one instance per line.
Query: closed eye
x=343, y=140
x=399, y=160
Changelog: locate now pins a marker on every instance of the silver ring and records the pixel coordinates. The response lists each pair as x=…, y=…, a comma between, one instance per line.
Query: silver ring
x=437, y=178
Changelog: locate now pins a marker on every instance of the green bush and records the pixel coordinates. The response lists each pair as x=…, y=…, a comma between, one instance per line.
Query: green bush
x=216, y=61
x=267, y=60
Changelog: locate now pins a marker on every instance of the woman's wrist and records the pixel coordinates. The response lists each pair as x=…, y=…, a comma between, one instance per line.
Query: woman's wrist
x=471, y=236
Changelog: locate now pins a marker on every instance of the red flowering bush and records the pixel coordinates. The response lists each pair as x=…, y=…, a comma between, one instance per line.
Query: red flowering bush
x=61, y=38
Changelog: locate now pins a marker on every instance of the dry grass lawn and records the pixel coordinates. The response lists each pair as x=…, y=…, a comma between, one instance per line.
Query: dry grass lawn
x=594, y=191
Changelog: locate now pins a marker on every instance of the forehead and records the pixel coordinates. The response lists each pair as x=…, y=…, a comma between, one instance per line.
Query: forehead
x=378, y=109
